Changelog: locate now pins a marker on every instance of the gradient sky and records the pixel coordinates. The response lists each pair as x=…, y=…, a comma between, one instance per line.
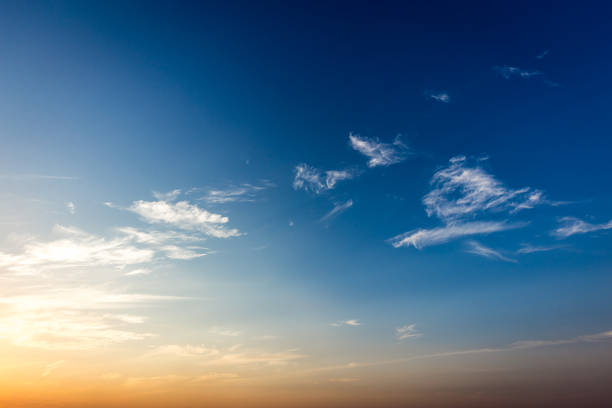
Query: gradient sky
x=337, y=204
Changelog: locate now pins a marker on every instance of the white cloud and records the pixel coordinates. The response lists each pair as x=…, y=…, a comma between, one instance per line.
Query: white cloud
x=75, y=249
x=71, y=207
x=379, y=153
x=338, y=208
x=169, y=196
x=543, y=54
x=242, y=193
x=426, y=237
x=508, y=72
x=572, y=226
x=350, y=322
x=529, y=249
x=477, y=248
x=183, y=215
x=462, y=191
x=74, y=318
x=443, y=97
x=139, y=271
x=407, y=332
x=334, y=176
x=312, y=179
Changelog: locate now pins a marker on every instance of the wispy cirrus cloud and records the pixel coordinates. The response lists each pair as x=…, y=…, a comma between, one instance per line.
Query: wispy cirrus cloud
x=530, y=249
x=73, y=318
x=76, y=249
x=182, y=215
x=242, y=193
x=379, y=153
x=338, y=209
x=571, y=226
x=421, y=238
x=439, y=96
x=516, y=346
x=508, y=72
x=408, y=331
x=542, y=54
x=350, y=322
x=477, y=248
x=314, y=180
x=461, y=191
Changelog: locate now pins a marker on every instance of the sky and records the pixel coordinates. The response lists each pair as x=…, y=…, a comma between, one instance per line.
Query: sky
x=273, y=204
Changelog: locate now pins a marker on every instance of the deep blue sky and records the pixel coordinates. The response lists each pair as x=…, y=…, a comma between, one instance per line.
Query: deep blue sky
x=127, y=99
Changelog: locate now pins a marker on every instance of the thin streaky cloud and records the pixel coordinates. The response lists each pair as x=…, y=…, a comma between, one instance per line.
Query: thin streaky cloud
x=408, y=331
x=73, y=318
x=338, y=209
x=477, y=248
x=350, y=322
x=508, y=72
x=516, y=346
x=242, y=193
x=139, y=271
x=530, y=249
x=571, y=226
x=441, y=96
x=379, y=153
x=426, y=237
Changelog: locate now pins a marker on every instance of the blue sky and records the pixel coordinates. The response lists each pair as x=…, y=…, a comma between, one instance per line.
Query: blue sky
x=402, y=179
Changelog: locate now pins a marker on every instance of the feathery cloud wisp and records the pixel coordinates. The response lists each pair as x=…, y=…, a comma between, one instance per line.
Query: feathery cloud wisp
x=338, y=208
x=459, y=194
x=477, y=248
x=426, y=237
x=243, y=193
x=443, y=97
x=379, y=153
x=71, y=318
x=183, y=215
x=350, y=322
x=529, y=249
x=312, y=179
x=407, y=332
x=572, y=226
x=461, y=191
x=508, y=72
